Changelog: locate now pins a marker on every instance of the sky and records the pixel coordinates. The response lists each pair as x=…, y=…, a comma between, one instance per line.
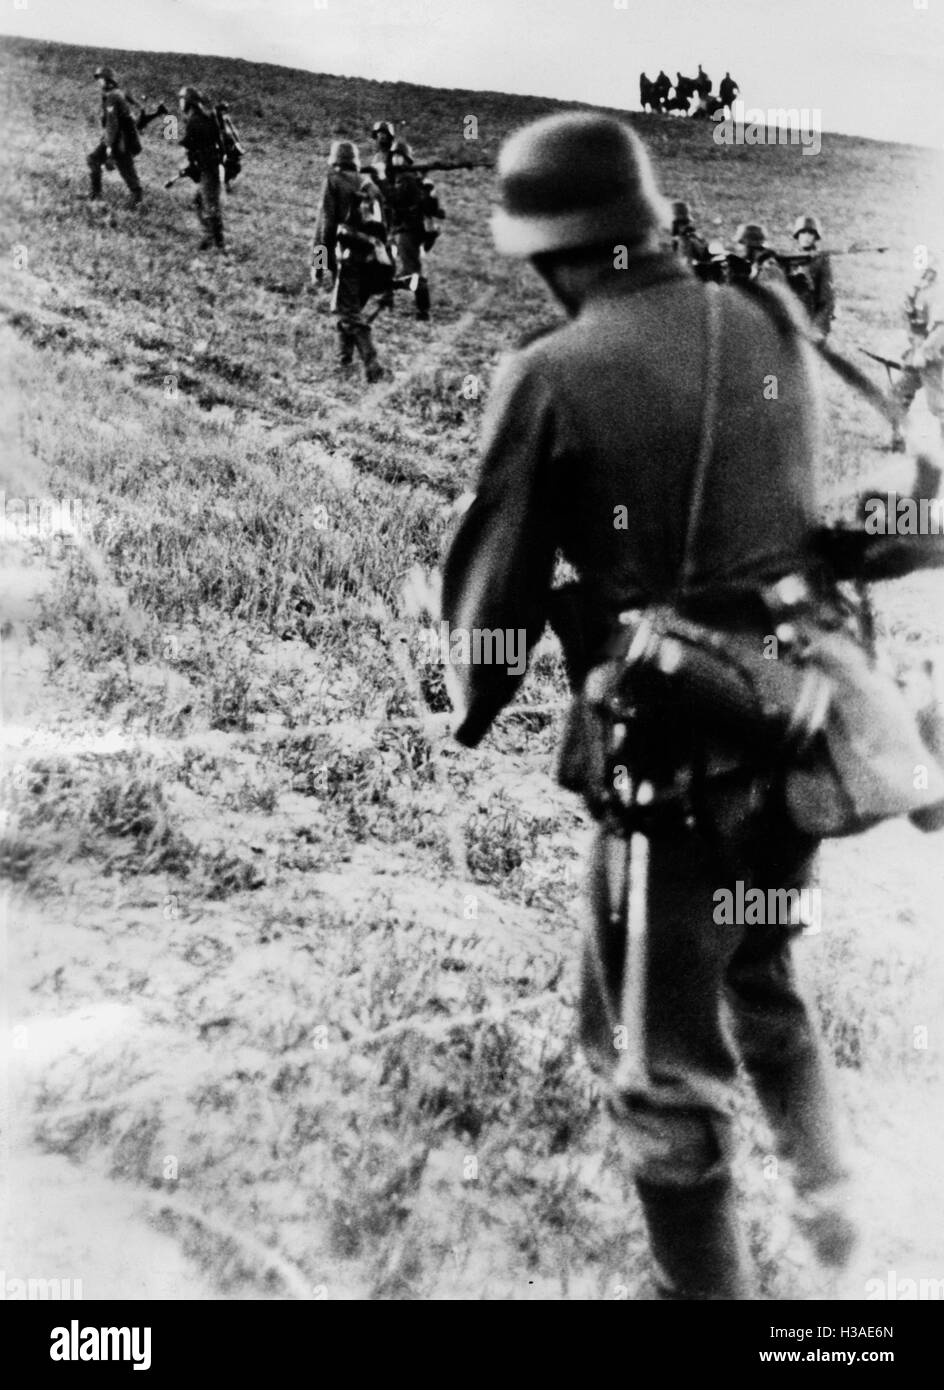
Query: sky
x=869, y=67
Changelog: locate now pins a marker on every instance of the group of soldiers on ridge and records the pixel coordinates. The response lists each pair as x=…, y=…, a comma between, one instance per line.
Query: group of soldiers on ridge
x=376, y=225
x=206, y=132
x=807, y=272
x=659, y=95
x=374, y=229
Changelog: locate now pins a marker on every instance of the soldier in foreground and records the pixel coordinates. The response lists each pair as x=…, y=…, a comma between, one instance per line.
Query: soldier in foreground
x=809, y=275
x=201, y=138
x=922, y=363
x=605, y=418
x=350, y=233
x=120, y=143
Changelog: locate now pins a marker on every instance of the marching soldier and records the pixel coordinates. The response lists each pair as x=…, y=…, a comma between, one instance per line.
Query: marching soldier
x=201, y=138
x=702, y=82
x=756, y=261
x=602, y=416
x=923, y=359
x=727, y=91
x=662, y=86
x=120, y=143
x=810, y=275
x=384, y=135
x=405, y=196
x=350, y=230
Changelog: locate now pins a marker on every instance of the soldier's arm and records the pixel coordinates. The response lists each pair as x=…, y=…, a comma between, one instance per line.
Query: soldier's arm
x=112, y=120
x=326, y=227
x=825, y=297
x=497, y=574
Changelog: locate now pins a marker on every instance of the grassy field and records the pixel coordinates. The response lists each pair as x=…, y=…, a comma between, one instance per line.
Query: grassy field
x=288, y=969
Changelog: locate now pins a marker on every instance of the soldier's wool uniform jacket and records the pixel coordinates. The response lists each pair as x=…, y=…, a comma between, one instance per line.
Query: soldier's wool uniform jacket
x=201, y=138
x=116, y=118
x=338, y=202
x=604, y=414
x=813, y=284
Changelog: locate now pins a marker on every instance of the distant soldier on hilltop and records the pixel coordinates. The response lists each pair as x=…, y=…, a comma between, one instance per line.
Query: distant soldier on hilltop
x=120, y=143
x=728, y=90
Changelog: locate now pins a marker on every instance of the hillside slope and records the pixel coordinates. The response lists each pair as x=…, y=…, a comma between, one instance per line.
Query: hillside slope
x=291, y=965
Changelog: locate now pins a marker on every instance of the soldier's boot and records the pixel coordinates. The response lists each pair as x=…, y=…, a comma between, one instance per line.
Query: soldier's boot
x=696, y=1241
x=368, y=353
x=422, y=301
x=799, y=1110
x=95, y=178
x=346, y=341
x=216, y=231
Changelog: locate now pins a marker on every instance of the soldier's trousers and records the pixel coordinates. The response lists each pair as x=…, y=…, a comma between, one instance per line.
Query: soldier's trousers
x=207, y=203
x=124, y=163
x=409, y=255
x=706, y=993
x=348, y=298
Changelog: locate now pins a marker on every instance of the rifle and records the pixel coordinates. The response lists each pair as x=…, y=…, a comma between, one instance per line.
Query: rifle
x=887, y=363
x=446, y=166
x=788, y=260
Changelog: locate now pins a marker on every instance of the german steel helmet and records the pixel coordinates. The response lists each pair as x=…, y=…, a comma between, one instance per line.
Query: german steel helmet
x=402, y=149
x=680, y=212
x=107, y=75
x=807, y=224
x=576, y=179
x=751, y=234
x=379, y=126
x=345, y=152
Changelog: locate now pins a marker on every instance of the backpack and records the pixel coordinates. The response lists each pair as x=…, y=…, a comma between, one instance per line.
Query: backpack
x=362, y=236
x=232, y=146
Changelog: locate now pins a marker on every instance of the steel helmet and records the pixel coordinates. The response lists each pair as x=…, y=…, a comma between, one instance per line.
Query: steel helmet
x=190, y=96
x=751, y=234
x=680, y=212
x=107, y=75
x=401, y=148
x=379, y=126
x=807, y=224
x=345, y=152
x=576, y=179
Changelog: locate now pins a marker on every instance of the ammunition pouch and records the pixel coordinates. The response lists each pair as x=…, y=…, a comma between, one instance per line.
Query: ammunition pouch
x=846, y=739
